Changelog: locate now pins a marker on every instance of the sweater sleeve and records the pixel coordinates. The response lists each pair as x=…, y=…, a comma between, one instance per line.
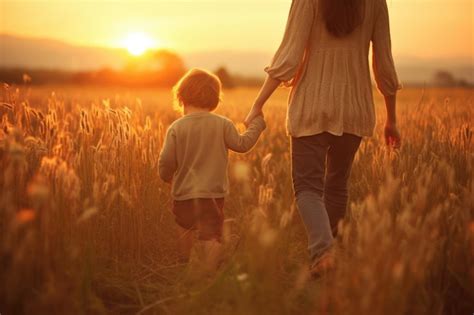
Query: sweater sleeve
x=289, y=55
x=382, y=60
x=243, y=142
x=167, y=162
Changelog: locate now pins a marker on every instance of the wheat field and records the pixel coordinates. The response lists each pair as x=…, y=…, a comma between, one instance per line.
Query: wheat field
x=86, y=226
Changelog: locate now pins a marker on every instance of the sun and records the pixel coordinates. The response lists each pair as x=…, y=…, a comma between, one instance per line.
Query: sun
x=137, y=43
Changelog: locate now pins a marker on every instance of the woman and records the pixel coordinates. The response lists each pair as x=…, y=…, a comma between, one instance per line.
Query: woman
x=324, y=57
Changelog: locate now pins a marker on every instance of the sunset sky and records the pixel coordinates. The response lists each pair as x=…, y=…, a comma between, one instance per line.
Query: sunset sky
x=422, y=28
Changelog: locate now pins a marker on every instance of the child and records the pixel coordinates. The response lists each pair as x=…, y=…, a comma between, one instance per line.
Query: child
x=194, y=158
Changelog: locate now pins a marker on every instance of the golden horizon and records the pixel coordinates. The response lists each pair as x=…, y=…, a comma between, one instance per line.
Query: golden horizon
x=417, y=26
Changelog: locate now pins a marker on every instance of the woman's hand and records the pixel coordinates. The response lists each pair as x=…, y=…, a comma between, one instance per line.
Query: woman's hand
x=254, y=112
x=392, y=136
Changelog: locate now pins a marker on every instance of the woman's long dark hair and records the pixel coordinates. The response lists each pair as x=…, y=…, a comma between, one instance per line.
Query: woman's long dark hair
x=342, y=16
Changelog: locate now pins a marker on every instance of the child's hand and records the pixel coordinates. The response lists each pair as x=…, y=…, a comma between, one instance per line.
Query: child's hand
x=254, y=112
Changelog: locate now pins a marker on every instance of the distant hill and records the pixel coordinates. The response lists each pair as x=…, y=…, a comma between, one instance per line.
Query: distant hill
x=417, y=70
x=35, y=53
x=32, y=53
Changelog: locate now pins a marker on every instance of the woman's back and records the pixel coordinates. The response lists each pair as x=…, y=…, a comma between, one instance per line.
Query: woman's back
x=324, y=55
x=330, y=74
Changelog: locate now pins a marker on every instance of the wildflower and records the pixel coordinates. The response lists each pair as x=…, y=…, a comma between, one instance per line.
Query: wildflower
x=25, y=215
x=37, y=190
x=242, y=277
x=87, y=214
x=268, y=237
x=16, y=151
x=241, y=171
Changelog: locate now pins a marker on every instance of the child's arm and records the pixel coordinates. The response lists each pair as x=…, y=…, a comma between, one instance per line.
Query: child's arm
x=243, y=142
x=167, y=162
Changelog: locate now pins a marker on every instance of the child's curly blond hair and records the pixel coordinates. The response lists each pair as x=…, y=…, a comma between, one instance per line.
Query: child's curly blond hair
x=197, y=88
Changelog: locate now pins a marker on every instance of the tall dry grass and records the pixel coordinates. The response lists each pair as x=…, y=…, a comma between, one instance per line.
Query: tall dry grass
x=86, y=227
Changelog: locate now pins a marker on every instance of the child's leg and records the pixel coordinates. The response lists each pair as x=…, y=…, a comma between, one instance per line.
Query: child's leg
x=186, y=240
x=185, y=217
x=209, y=234
x=209, y=254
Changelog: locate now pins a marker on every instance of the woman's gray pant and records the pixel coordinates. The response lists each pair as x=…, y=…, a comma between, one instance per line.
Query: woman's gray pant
x=321, y=166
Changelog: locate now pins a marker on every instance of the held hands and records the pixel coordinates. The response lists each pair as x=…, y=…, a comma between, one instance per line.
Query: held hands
x=254, y=112
x=392, y=136
x=268, y=87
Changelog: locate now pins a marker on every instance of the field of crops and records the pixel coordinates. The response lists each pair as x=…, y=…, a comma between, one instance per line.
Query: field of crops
x=86, y=226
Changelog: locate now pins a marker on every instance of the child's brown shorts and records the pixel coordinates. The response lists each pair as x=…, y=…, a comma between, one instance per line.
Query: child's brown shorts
x=206, y=216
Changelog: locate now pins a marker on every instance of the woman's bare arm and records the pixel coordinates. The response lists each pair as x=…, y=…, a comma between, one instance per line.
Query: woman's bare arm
x=268, y=87
x=390, y=104
x=391, y=133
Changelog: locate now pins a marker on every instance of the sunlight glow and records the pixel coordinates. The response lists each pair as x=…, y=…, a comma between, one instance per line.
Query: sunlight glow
x=138, y=43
